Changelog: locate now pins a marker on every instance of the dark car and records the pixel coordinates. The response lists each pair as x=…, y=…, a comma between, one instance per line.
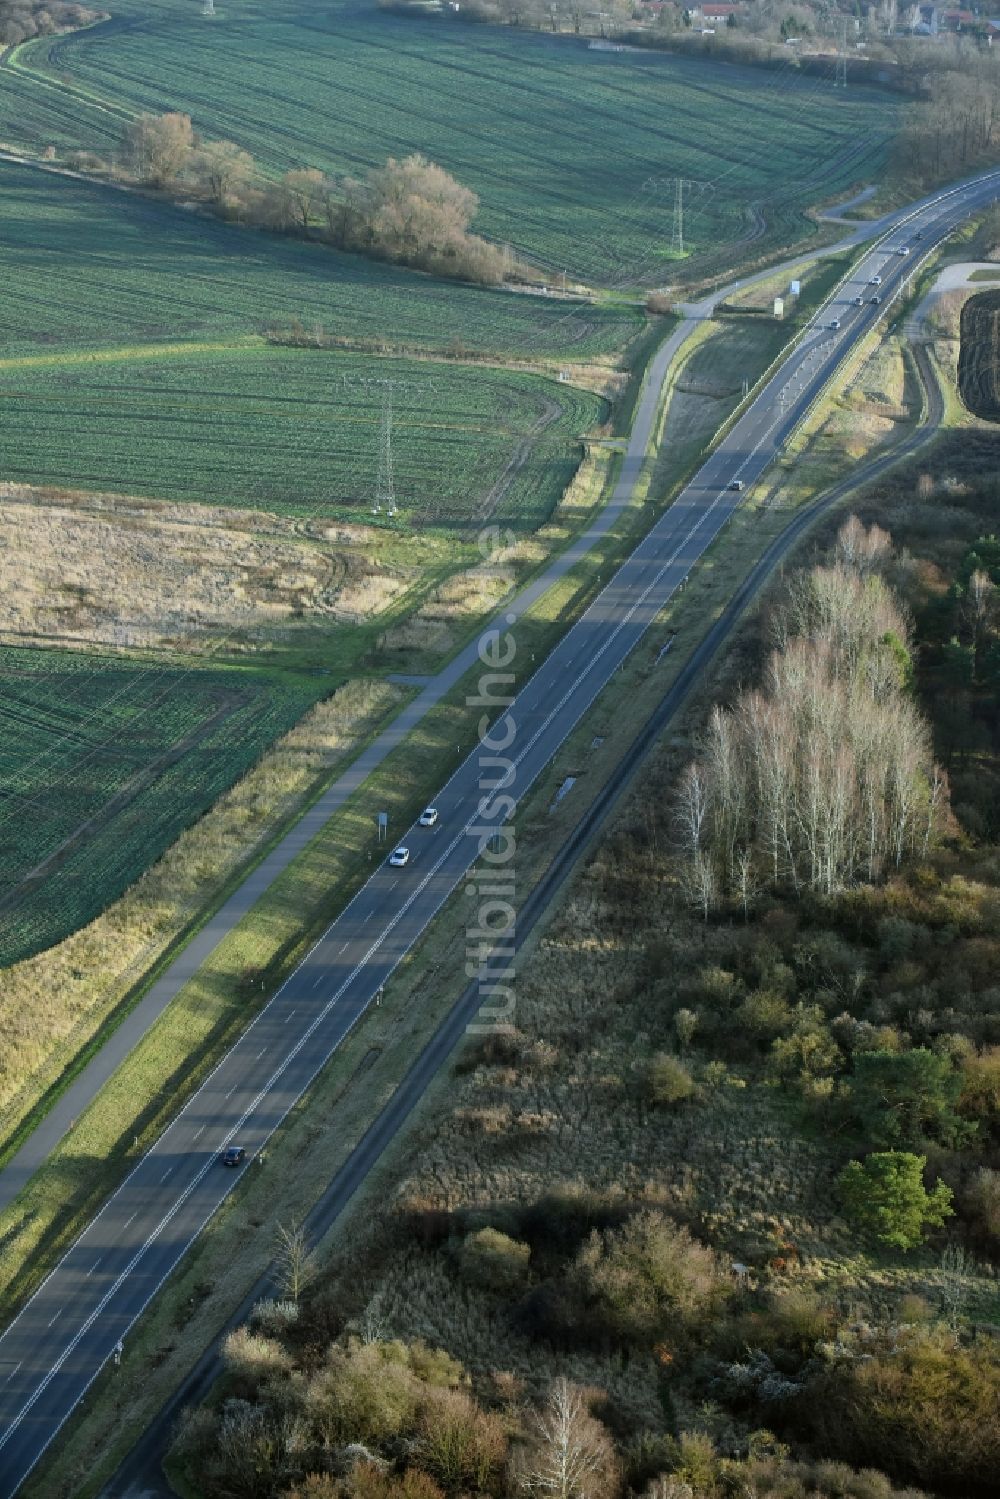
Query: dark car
x=233, y=1155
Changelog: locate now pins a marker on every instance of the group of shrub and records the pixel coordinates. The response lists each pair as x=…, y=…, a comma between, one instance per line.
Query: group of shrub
x=409, y=211
x=872, y=1011
x=20, y=20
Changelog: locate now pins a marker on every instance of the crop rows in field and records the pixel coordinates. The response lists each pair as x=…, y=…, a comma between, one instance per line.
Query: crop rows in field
x=80, y=731
x=978, y=361
x=83, y=263
x=295, y=431
x=572, y=151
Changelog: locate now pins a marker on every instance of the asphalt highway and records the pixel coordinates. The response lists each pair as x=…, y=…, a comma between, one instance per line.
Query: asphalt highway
x=69, y=1329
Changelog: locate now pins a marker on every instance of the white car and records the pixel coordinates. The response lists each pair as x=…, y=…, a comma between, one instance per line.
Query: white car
x=903, y=250
x=874, y=280
x=833, y=324
x=859, y=301
x=428, y=817
x=399, y=857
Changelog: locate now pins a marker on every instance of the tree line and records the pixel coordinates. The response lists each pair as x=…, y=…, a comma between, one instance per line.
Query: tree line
x=20, y=20
x=953, y=123
x=824, y=776
x=408, y=211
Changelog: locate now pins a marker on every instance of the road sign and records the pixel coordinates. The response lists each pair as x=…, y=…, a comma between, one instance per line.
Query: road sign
x=383, y=826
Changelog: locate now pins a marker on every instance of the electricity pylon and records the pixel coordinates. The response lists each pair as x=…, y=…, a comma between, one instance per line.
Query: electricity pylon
x=677, y=238
x=840, y=80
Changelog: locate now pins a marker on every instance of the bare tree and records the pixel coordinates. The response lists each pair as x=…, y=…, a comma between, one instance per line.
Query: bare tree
x=373, y=1321
x=298, y=199
x=957, y=1270
x=224, y=168
x=862, y=550
x=979, y=607
x=296, y=1264
x=157, y=148
x=569, y=1455
x=826, y=776
x=692, y=807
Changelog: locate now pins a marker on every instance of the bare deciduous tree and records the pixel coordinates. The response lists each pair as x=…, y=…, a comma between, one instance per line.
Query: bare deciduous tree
x=826, y=776
x=157, y=148
x=570, y=1455
x=296, y=1264
x=224, y=168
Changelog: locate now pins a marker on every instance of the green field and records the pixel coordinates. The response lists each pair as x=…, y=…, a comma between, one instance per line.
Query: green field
x=572, y=151
x=296, y=430
x=103, y=761
x=84, y=265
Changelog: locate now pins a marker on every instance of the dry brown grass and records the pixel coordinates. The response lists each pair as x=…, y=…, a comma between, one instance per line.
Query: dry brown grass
x=140, y=573
x=464, y=600
x=561, y=1107
x=875, y=402
x=50, y=1005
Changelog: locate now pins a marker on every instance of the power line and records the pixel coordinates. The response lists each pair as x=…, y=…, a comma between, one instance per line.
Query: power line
x=385, y=490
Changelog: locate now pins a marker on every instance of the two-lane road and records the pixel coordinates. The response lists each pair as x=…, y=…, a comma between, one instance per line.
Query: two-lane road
x=69, y=1329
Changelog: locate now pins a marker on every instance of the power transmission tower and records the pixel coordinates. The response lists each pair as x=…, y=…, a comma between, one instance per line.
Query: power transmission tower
x=840, y=80
x=385, y=492
x=677, y=239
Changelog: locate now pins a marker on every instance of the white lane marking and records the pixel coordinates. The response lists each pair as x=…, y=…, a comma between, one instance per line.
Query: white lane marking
x=58, y=1314
x=987, y=179
x=319, y=981
x=166, y=1173
x=94, y=1266
x=200, y=1132
x=13, y=1371
x=289, y=1016
x=395, y=882
x=128, y=1221
x=345, y=947
x=260, y=1054
x=232, y=1090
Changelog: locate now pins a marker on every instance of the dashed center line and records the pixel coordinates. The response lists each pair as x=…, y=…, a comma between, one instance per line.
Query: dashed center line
x=200, y=1132
x=289, y=1016
x=345, y=947
x=58, y=1314
x=95, y=1265
x=128, y=1221
x=13, y=1371
x=166, y=1173
x=319, y=981
x=260, y=1054
x=232, y=1090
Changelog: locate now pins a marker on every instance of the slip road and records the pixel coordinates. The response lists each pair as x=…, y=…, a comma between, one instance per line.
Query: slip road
x=71, y=1327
